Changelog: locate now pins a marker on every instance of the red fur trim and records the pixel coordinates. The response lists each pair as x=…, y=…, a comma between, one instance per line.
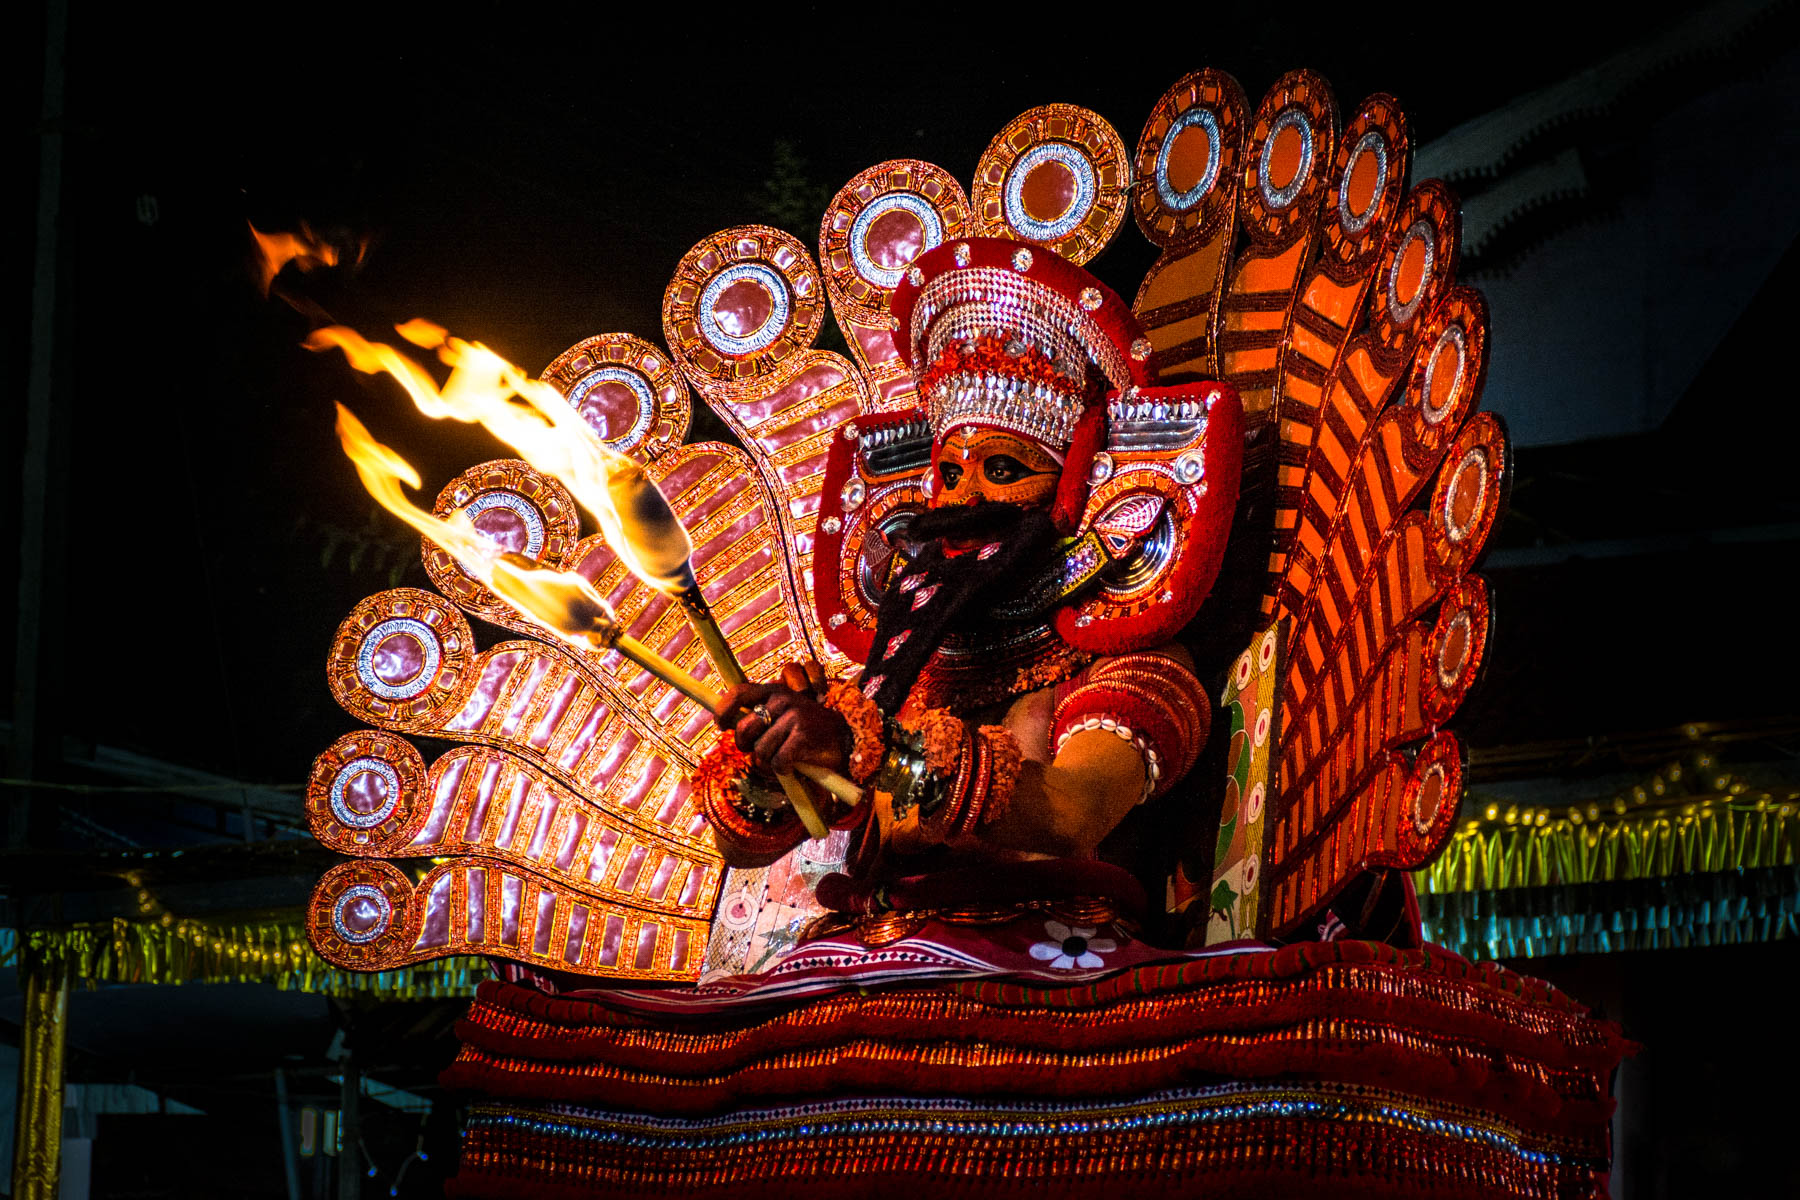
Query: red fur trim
x=1072, y=489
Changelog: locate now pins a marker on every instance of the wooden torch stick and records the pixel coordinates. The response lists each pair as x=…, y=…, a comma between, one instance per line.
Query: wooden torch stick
x=615, y=638
x=724, y=661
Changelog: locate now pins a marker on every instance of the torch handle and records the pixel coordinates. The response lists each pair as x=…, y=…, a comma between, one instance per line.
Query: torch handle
x=708, y=699
x=832, y=782
x=667, y=671
x=706, y=628
x=724, y=660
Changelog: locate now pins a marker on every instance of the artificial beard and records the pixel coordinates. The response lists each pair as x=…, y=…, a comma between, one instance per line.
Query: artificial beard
x=967, y=522
x=938, y=592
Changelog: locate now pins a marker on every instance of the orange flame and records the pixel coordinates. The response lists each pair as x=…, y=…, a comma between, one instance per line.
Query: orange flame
x=304, y=249
x=631, y=510
x=563, y=602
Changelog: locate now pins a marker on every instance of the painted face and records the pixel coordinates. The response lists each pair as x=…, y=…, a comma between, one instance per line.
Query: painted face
x=989, y=466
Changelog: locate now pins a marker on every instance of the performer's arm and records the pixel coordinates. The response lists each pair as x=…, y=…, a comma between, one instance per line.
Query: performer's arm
x=1065, y=808
x=1081, y=776
x=1064, y=769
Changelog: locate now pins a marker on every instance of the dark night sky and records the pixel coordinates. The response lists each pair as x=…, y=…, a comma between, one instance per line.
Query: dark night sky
x=527, y=181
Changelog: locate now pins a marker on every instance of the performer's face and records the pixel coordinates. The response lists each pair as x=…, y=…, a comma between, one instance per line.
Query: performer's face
x=989, y=466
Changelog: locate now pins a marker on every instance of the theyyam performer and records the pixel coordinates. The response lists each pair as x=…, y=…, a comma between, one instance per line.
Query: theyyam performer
x=999, y=753
x=1005, y=768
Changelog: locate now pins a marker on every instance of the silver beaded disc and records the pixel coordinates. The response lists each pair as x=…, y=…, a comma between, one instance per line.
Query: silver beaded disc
x=340, y=807
x=361, y=892
x=1453, y=338
x=1421, y=819
x=919, y=208
x=519, y=507
x=428, y=648
x=1423, y=232
x=1165, y=191
x=1455, y=530
x=639, y=387
x=1281, y=197
x=1087, y=187
x=757, y=339
x=1370, y=143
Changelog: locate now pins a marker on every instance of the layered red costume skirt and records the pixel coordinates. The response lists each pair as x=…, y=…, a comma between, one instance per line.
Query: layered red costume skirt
x=1341, y=1068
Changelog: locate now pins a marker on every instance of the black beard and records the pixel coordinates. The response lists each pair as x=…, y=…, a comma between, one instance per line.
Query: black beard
x=938, y=592
x=966, y=522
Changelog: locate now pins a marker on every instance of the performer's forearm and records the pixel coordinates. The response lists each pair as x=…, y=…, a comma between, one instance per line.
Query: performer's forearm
x=1065, y=808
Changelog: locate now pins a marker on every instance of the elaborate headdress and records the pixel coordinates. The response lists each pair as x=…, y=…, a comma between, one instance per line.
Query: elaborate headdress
x=999, y=334
x=1002, y=334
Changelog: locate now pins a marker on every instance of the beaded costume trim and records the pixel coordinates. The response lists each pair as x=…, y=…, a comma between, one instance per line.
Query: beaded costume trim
x=1006, y=383
x=961, y=304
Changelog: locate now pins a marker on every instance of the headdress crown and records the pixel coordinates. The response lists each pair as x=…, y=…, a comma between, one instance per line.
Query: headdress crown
x=1014, y=337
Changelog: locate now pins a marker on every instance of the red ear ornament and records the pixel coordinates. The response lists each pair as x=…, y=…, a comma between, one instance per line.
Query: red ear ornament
x=1183, y=448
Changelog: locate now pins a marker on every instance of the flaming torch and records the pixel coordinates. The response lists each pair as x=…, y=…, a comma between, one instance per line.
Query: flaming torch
x=631, y=510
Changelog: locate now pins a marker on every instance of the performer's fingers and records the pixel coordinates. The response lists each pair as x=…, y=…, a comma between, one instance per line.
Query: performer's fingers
x=794, y=676
x=749, y=729
x=815, y=675
x=739, y=700
x=774, y=740
x=731, y=706
x=781, y=700
x=782, y=760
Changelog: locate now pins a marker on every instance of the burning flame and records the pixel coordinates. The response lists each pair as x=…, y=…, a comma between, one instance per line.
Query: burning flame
x=552, y=437
x=304, y=249
x=547, y=432
x=563, y=602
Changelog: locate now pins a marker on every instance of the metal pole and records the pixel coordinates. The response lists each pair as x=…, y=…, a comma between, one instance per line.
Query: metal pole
x=37, y=1139
x=285, y=1113
x=350, y=1159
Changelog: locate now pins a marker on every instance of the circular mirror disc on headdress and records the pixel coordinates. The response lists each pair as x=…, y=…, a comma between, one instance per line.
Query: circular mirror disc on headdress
x=1058, y=176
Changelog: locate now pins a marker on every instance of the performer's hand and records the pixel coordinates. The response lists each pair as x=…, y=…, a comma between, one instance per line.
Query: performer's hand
x=779, y=725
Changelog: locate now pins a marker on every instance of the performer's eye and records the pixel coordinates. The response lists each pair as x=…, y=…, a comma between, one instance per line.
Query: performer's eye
x=950, y=472
x=1004, y=468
